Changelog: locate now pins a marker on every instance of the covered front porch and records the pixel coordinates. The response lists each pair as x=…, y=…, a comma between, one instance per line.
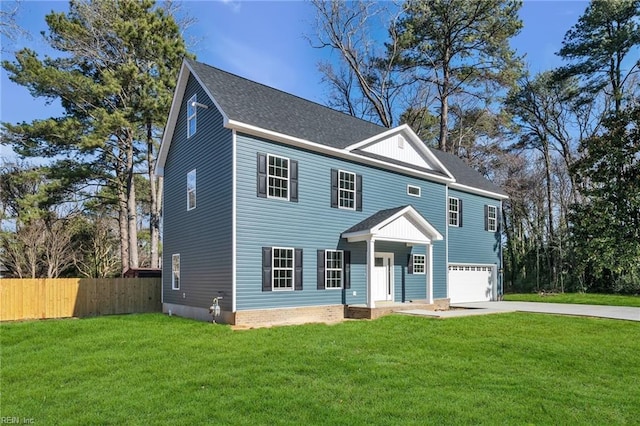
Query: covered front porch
x=390, y=234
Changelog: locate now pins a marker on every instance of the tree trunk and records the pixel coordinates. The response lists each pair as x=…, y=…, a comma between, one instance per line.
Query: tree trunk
x=132, y=215
x=155, y=199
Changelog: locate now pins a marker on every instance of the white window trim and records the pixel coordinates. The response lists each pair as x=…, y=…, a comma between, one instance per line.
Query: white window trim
x=353, y=191
x=273, y=269
x=193, y=116
x=419, y=194
x=424, y=264
x=288, y=178
x=495, y=218
x=327, y=269
x=173, y=271
x=195, y=185
x=456, y=211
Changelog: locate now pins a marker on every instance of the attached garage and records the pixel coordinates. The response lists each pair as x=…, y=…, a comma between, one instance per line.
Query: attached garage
x=471, y=283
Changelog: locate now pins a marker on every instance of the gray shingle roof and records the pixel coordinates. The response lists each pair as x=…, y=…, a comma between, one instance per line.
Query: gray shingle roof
x=464, y=174
x=253, y=103
x=374, y=219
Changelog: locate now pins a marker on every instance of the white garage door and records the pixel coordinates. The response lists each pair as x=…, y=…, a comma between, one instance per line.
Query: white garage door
x=469, y=283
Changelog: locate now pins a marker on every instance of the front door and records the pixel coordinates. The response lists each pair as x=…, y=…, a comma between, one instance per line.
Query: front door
x=383, y=277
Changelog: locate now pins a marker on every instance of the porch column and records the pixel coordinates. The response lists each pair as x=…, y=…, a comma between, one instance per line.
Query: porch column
x=371, y=259
x=430, y=273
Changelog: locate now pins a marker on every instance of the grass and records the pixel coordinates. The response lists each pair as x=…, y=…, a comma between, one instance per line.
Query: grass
x=578, y=298
x=152, y=369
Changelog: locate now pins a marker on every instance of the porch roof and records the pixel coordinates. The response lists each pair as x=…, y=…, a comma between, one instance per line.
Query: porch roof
x=400, y=224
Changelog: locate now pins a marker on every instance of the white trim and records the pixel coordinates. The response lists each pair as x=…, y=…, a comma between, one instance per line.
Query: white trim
x=195, y=190
x=327, y=269
x=430, y=274
x=293, y=269
x=354, y=191
x=446, y=241
x=477, y=191
x=288, y=178
x=234, y=225
x=418, y=195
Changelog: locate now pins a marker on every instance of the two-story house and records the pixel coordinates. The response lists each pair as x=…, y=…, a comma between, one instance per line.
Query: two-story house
x=288, y=211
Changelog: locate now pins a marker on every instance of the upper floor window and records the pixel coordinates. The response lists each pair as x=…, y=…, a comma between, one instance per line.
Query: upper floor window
x=277, y=177
x=191, y=116
x=346, y=190
x=490, y=218
x=175, y=272
x=413, y=190
x=455, y=211
x=191, y=190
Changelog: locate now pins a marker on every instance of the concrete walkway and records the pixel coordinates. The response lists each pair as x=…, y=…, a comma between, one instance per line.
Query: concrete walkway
x=481, y=308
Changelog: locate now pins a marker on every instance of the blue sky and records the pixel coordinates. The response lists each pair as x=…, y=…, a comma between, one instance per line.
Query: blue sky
x=265, y=41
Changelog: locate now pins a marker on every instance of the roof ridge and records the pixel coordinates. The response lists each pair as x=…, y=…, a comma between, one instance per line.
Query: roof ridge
x=288, y=94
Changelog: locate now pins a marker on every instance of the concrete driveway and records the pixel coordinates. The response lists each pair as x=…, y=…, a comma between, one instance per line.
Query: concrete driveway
x=614, y=312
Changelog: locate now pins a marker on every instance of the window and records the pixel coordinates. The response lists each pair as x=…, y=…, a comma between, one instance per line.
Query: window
x=175, y=272
x=333, y=268
x=281, y=269
x=191, y=116
x=277, y=177
x=191, y=190
x=490, y=218
x=417, y=264
x=413, y=190
x=346, y=190
x=455, y=211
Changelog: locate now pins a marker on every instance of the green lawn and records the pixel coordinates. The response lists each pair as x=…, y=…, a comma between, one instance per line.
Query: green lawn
x=579, y=298
x=152, y=369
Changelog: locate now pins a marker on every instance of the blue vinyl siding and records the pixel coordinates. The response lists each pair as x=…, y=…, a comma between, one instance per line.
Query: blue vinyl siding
x=312, y=224
x=202, y=236
x=471, y=243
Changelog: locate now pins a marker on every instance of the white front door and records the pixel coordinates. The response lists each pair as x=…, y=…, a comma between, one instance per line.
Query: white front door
x=383, y=277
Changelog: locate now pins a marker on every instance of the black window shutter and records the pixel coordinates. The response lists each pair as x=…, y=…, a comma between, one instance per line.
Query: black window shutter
x=266, y=269
x=262, y=175
x=334, y=188
x=498, y=220
x=460, y=212
x=321, y=265
x=359, y=193
x=293, y=181
x=486, y=217
x=410, y=264
x=297, y=267
x=347, y=269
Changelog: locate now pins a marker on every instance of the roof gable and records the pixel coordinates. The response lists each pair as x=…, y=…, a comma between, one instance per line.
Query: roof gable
x=401, y=224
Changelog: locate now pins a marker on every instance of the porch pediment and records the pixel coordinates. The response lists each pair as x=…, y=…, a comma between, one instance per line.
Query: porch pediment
x=401, y=224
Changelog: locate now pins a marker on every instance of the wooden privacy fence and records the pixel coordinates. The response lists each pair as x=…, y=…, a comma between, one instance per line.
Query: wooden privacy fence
x=77, y=297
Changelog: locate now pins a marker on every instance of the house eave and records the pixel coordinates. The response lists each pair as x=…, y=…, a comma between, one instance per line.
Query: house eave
x=335, y=152
x=477, y=191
